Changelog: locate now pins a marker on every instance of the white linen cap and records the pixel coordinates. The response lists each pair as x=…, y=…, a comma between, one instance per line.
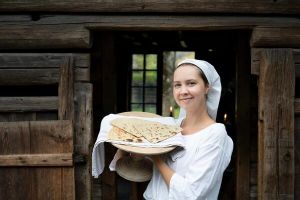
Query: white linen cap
x=214, y=93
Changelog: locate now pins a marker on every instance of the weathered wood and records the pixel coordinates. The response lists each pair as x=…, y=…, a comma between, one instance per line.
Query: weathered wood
x=44, y=37
x=276, y=125
x=83, y=138
x=66, y=90
x=64, y=159
x=36, y=142
x=243, y=108
x=40, y=68
x=28, y=76
x=255, y=61
x=169, y=6
x=36, y=137
x=28, y=104
x=149, y=22
x=275, y=37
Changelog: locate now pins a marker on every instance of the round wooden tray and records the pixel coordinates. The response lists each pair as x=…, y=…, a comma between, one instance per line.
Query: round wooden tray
x=144, y=150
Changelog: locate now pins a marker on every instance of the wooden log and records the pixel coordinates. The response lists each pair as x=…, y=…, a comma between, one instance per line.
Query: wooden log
x=28, y=104
x=40, y=68
x=150, y=22
x=169, y=6
x=276, y=125
x=64, y=159
x=44, y=37
x=276, y=37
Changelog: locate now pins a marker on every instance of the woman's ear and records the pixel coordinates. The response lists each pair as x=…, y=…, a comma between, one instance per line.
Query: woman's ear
x=207, y=89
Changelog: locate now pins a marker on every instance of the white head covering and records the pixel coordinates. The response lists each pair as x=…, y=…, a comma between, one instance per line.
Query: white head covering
x=214, y=92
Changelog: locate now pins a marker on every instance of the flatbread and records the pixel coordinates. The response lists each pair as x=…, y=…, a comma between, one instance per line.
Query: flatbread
x=118, y=134
x=152, y=131
x=126, y=124
x=156, y=132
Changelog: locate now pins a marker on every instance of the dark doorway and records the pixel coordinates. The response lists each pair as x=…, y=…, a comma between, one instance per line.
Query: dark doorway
x=218, y=47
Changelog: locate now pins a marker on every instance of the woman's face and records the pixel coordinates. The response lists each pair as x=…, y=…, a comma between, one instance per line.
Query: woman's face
x=189, y=89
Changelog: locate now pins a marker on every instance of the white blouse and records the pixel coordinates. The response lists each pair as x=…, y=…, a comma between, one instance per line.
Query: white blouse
x=198, y=169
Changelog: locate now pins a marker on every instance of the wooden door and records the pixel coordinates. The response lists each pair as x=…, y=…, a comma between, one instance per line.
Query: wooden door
x=45, y=126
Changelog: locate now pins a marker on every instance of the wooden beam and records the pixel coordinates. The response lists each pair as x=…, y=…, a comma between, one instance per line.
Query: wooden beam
x=276, y=171
x=28, y=104
x=276, y=37
x=33, y=160
x=44, y=37
x=169, y=6
x=148, y=22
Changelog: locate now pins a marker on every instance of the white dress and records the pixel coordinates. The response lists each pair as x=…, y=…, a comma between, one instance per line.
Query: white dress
x=198, y=169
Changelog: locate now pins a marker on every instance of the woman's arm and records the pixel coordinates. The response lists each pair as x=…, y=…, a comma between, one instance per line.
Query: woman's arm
x=163, y=168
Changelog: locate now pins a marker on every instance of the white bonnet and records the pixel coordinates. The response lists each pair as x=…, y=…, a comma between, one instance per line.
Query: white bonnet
x=214, y=93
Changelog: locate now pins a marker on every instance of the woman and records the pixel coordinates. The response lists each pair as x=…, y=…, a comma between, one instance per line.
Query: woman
x=195, y=172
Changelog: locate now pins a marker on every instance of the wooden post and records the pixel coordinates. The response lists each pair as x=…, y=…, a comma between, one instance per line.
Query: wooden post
x=276, y=125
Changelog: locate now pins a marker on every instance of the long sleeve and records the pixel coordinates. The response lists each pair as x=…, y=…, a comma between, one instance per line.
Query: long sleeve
x=204, y=175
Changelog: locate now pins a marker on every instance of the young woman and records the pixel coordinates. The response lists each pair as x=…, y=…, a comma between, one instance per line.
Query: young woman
x=195, y=172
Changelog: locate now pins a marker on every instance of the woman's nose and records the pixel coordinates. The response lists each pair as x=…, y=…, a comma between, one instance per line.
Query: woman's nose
x=183, y=90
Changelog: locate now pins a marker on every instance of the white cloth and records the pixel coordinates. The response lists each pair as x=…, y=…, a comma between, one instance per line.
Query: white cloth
x=198, y=169
x=214, y=93
x=98, y=159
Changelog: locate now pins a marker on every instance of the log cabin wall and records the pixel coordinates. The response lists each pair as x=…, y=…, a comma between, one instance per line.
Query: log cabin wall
x=37, y=37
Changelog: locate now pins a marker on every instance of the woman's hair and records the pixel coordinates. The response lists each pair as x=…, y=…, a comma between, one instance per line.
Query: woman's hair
x=201, y=74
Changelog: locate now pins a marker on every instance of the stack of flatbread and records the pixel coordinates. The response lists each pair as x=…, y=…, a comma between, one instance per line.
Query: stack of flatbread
x=138, y=130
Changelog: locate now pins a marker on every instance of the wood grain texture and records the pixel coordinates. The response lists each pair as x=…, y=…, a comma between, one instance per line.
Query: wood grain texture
x=276, y=171
x=169, y=6
x=276, y=37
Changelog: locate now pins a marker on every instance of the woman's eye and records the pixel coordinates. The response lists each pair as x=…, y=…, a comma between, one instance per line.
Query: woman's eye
x=176, y=85
x=191, y=83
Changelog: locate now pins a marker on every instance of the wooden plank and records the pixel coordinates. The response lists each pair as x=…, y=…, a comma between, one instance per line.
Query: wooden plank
x=44, y=37
x=297, y=106
x=255, y=60
x=276, y=125
x=83, y=138
x=28, y=104
x=63, y=159
x=275, y=37
x=36, y=137
x=169, y=6
x=66, y=90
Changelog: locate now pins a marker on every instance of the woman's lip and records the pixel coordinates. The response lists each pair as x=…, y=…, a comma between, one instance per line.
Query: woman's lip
x=185, y=98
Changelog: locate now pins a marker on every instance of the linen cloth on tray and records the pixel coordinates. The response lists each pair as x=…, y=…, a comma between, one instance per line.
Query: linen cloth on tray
x=98, y=160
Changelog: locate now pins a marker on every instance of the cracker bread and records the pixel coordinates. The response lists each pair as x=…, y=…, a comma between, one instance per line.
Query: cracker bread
x=152, y=131
x=118, y=134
